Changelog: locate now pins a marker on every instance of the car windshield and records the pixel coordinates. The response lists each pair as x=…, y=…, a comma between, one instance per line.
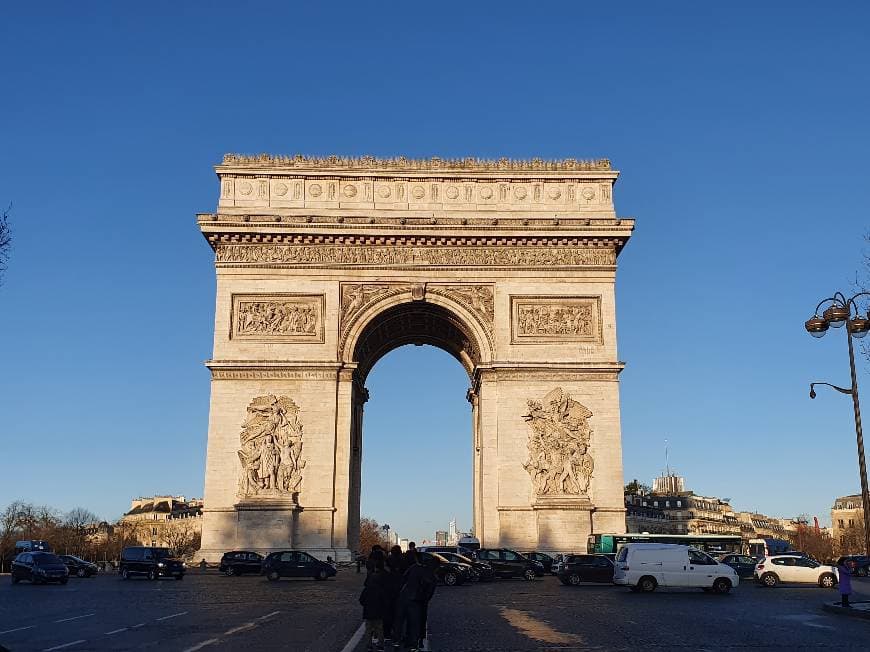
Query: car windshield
x=162, y=553
x=46, y=560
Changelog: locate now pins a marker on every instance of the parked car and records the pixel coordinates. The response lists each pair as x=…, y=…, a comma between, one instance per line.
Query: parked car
x=295, y=563
x=32, y=545
x=575, y=569
x=743, y=564
x=542, y=557
x=862, y=564
x=459, y=550
x=508, y=563
x=480, y=570
x=79, y=567
x=239, y=562
x=450, y=573
x=150, y=561
x=770, y=571
x=39, y=568
x=645, y=566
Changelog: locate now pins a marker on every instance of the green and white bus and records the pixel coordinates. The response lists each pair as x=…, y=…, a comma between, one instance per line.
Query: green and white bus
x=713, y=544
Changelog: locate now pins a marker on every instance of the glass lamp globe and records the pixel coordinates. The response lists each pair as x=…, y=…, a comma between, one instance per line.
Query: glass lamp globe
x=816, y=326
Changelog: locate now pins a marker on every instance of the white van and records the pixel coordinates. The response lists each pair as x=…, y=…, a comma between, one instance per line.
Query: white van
x=644, y=566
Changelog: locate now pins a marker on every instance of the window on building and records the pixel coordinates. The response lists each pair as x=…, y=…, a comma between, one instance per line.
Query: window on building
x=679, y=503
x=655, y=503
x=851, y=522
x=154, y=532
x=667, y=503
x=840, y=523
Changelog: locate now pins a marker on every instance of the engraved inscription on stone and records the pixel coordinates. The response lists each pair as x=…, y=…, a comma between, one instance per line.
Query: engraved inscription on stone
x=555, y=319
x=271, y=449
x=278, y=317
x=559, y=462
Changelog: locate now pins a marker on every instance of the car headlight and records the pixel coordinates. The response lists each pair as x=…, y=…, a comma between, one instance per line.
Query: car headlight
x=184, y=564
x=160, y=564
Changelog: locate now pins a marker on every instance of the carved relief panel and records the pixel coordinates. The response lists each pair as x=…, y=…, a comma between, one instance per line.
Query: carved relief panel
x=548, y=319
x=277, y=317
x=559, y=462
x=271, y=449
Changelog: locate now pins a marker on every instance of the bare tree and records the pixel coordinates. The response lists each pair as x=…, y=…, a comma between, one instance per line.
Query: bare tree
x=182, y=537
x=5, y=241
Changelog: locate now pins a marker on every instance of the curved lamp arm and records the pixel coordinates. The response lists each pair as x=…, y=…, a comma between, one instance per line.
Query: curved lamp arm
x=839, y=389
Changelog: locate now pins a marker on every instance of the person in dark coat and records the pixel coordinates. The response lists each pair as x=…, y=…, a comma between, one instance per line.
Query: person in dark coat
x=414, y=599
x=844, y=570
x=374, y=603
x=376, y=554
x=410, y=555
x=393, y=580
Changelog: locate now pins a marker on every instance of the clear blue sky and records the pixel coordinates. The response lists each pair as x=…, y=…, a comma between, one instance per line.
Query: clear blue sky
x=741, y=131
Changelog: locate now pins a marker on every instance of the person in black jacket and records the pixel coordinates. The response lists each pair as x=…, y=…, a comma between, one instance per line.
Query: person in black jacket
x=374, y=603
x=413, y=603
x=393, y=581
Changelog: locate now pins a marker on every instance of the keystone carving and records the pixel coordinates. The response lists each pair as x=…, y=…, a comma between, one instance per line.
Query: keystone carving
x=271, y=449
x=559, y=461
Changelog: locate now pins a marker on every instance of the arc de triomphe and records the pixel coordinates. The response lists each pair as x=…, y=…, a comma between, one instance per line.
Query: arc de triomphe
x=326, y=264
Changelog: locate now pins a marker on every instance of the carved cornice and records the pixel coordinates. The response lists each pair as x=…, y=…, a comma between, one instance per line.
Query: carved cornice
x=401, y=163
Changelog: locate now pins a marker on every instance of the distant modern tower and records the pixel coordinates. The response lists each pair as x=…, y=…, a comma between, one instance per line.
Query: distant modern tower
x=452, y=534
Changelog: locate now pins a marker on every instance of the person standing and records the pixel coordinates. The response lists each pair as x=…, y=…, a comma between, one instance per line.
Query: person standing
x=414, y=601
x=393, y=581
x=844, y=569
x=373, y=601
x=410, y=555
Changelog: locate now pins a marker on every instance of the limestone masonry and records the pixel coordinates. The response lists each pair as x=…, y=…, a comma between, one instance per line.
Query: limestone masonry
x=324, y=265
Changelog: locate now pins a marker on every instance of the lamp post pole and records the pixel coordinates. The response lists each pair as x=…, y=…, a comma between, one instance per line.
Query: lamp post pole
x=862, y=464
x=840, y=312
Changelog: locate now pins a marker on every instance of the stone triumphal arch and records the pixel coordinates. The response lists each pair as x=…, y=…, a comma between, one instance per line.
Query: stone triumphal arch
x=326, y=264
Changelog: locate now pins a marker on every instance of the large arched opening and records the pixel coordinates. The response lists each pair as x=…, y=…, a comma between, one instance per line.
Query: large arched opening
x=400, y=322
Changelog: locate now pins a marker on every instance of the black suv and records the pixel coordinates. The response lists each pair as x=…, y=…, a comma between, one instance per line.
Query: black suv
x=240, y=562
x=295, y=563
x=586, y=568
x=151, y=562
x=480, y=570
x=509, y=563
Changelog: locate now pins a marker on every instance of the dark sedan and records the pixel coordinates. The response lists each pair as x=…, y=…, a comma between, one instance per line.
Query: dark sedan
x=743, y=565
x=39, y=568
x=239, y=562
x=509, y=563
x=542, y=558
x=79, y=567
x=586, y=568
x=480, y=570
x=447, y=572
x=295, y=563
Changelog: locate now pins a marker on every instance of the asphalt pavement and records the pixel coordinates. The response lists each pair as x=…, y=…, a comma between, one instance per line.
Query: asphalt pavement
x=211, y=612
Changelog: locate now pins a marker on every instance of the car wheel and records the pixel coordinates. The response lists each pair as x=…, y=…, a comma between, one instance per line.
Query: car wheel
x=574, y=579
x=321, y=574
x=64, y=580
x=152, y=574
x=529, y=574
x=721, y=585
x=125, y=574
x=230, y=571
x=827, y=581
x=272, y=576
x=450, y=579
x=81, y=572
x=647, y=584
x=769, y=580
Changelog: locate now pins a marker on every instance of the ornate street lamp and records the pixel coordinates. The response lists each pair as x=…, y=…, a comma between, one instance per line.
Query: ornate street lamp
x=842, y=311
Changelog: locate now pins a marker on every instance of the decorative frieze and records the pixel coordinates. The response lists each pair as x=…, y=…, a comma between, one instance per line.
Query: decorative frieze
x=549, y=319
x=394, y=256
x=559, y=461
x=277, y=317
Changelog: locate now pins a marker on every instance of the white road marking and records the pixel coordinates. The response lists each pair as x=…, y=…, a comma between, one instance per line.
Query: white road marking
x=355, y=639
x=138, y=626
x=199, y=646
x=17, y=629
x=66, y=620
x=234, y=630
x=60, y=647
x=180, y=613
x=116, y=631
